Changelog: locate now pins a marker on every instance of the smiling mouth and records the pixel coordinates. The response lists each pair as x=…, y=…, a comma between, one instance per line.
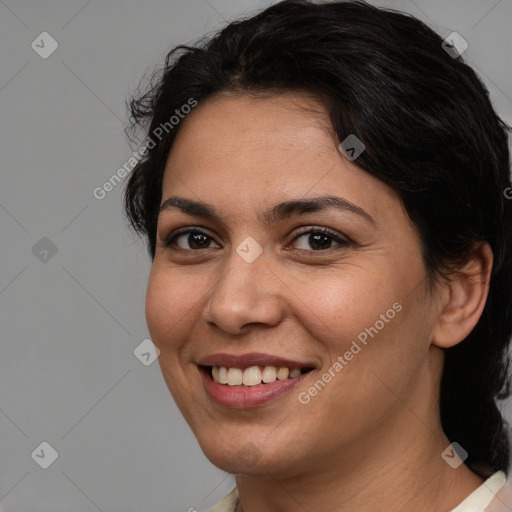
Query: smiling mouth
x=253, y=375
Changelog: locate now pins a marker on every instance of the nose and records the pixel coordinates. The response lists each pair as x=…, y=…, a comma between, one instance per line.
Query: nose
x=245, y=293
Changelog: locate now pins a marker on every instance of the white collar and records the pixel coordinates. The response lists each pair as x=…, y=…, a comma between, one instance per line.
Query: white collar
x=478, y=500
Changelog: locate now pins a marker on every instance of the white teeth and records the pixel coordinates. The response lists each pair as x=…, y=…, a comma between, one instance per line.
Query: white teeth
x=269, y=374
x=283, y=373
x=223, y=375
x=235, y=377
x=252, y=376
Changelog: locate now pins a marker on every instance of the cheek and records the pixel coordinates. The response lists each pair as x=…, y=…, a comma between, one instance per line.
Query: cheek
x=337, y=308
x=370, y=327
x=372, y=349
x=169, y=302
x=378, y=324
x=170, y=318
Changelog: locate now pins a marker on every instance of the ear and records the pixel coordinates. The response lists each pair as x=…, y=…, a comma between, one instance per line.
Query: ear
x=463, y=298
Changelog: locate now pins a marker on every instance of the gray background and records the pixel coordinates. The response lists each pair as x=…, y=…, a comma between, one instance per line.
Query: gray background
x=71, y=321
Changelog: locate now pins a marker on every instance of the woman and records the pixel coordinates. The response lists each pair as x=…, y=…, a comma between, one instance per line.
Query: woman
x=322, y=193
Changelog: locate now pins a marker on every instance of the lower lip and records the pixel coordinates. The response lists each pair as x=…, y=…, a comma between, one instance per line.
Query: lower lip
x=242, y=397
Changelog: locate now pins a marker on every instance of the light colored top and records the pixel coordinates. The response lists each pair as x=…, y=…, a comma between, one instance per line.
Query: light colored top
x=478, y=501
x=482, y=497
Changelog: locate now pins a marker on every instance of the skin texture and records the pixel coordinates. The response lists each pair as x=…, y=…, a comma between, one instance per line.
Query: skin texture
x=372, y=438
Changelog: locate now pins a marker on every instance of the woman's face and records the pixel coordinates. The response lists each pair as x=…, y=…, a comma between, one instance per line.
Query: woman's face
x=261, y=287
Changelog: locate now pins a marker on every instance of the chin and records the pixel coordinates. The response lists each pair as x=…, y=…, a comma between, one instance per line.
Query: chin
x=247, y=461
x=243, y=456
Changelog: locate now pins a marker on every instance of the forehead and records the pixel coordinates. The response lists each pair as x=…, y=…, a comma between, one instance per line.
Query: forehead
x=277, y=136
x=251, y=123
x=238, y=150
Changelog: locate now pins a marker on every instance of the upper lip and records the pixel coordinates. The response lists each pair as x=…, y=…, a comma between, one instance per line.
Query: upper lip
x=251, y=359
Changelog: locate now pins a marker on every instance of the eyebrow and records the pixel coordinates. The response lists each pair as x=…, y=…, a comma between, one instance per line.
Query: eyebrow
x=274, y=214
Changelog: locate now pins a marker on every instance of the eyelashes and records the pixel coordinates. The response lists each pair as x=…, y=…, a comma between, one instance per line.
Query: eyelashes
x=318, y=235
x=201, y=240
x=170, y=241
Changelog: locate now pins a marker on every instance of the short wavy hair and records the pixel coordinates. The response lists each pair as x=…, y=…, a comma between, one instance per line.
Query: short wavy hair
x=430, y=133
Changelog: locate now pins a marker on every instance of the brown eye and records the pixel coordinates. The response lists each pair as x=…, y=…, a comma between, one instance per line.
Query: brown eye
x=195, y=239
x=320, y=239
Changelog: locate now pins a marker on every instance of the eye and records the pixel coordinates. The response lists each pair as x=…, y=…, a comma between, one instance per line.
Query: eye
x=196, y=239
x=320, y=239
